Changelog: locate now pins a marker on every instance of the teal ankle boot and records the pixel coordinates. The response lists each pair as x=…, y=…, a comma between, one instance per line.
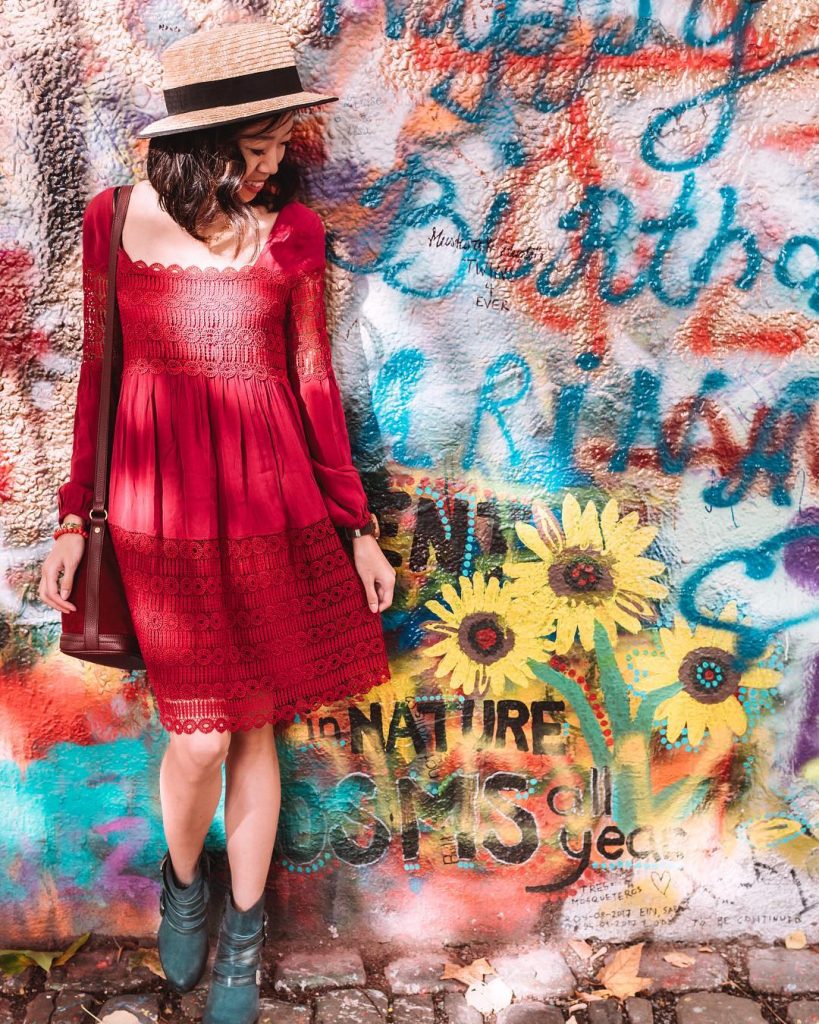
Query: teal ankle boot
x=233, y=997
x=182, y=939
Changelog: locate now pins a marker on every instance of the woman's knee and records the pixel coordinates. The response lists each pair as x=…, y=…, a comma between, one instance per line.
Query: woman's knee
x=201, y=751
x=258, y=739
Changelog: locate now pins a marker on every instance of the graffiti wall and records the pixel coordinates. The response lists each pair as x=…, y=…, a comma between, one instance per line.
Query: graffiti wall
x=573, y=290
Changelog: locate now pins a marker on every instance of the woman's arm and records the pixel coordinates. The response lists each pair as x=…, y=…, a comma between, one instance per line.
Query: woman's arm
x=75, y=496
x=310, y=370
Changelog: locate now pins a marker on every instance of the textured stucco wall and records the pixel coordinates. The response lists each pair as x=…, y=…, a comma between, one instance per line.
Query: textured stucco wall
x=575, y=260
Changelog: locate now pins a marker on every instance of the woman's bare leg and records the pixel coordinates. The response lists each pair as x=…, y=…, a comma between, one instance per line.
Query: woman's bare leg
x=190, y=787
x=252, y=802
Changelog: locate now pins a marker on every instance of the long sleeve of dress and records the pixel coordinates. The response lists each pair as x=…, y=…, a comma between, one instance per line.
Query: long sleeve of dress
x=310, y=370
x=77, y=493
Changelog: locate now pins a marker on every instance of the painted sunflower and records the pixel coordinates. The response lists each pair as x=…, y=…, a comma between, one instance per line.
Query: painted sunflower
x=714, y=696
x=488, y=636
x=590, y=570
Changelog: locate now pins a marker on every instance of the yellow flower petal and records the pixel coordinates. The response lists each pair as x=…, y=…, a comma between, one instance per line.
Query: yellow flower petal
x=439, y=649
x=571, y=519
x=547, y=525
x=636, y=605
x=770, y=831
x=608, y=520
x=450, y=595
x=440, y=610
x=735, y=717
x=760, y=678
x=532, y=539
x=660, y=674
x=566, y=629
x=529, y=574
x=673, y=710
x=518, y=677
x=604, y=617
x=588, y=533
x=696, y=718
x=629, y=537
x=624, y=618
x=585, y=625
x=642, y=566
x=648, y=588
x=674, y=643
x=449, y=663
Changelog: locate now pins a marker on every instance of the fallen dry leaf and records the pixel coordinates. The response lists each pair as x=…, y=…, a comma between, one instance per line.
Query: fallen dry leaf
x=13, y=961
x=677, y=959
x=796, y=940
x=621, y=976
x=148, y=957
x=468, y=973
x=581, y=948
x=593, y=997
x=72, y=949
x=489, y=996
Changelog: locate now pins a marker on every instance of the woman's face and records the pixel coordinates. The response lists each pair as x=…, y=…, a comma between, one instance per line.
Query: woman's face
x=262, y=153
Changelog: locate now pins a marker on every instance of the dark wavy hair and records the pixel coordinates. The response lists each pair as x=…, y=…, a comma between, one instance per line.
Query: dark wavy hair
x=197, y=176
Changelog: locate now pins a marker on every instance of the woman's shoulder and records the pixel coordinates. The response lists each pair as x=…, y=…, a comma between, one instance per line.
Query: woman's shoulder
x=100, y=203
x=304, y=235
x=96, y=225
x=305, y=216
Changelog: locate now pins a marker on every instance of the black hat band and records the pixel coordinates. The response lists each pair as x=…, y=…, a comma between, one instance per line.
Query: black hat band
x=228, y=92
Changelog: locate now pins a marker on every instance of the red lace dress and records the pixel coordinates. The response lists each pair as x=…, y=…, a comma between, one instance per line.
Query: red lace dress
x=230, y=471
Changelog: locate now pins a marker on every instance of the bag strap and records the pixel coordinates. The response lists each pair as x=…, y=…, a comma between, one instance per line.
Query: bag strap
x=113, y=335
x=98, y=513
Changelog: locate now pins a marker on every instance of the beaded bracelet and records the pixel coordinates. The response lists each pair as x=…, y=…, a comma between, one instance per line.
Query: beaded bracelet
x=71, y=528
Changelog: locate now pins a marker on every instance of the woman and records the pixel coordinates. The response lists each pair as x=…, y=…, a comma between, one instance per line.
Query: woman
x=248, y=552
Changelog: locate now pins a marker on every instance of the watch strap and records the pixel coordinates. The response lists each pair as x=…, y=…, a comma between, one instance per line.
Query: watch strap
x=370, y=527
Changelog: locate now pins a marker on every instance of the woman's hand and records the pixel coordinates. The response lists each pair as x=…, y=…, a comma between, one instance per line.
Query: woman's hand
x=63, y=558
x=376, y=573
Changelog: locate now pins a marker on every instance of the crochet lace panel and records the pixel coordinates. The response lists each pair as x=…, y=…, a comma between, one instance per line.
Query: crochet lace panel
x=309, y=357
x=95, y=294
x=240, y=632
x=183, y=320
x=204, y=321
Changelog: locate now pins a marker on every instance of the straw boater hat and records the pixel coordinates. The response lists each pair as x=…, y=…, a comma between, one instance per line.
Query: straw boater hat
x=236, y=72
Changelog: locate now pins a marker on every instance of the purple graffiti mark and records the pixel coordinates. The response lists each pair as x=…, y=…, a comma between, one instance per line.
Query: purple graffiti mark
x=807, y=739
x=115, y=879
x=801, y=557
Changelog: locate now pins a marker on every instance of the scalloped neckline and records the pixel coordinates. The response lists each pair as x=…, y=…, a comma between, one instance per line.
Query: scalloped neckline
x=176, y=268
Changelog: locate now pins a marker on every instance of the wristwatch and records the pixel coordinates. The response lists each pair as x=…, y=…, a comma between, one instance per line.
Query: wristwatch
x=370, y=527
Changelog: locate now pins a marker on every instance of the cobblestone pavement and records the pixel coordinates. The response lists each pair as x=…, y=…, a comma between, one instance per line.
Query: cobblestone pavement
x=331, y=983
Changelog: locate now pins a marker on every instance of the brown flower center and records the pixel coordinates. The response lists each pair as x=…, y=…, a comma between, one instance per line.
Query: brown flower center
x=484, y=637
x=580, y=572
x=707, y=675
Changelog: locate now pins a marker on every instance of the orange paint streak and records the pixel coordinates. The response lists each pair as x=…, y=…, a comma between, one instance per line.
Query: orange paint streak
x=717, y=325
x=766, y=337
x=794, y=138
x=51, y=703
